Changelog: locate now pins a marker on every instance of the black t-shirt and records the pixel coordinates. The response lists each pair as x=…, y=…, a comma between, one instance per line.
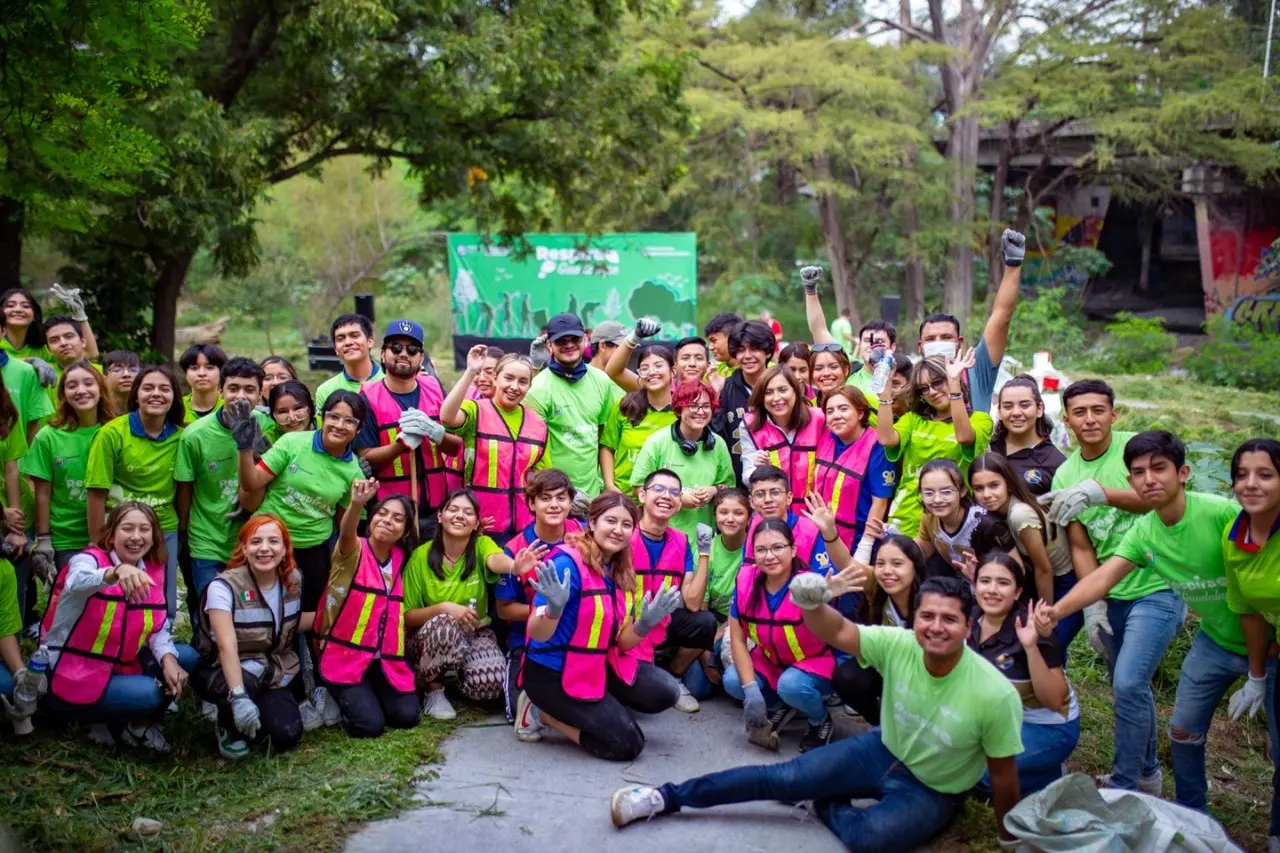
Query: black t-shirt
x=1036, y=465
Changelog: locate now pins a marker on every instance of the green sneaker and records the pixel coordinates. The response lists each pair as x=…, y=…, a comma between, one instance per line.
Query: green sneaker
x=230, y=744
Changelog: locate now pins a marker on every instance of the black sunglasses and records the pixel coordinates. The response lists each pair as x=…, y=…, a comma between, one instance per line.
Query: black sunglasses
x=826, y=348
x=411, y=349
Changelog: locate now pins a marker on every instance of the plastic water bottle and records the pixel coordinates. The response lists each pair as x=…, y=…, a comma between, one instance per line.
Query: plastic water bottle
x=472, y=605
x=883, y=369
x=38, y=665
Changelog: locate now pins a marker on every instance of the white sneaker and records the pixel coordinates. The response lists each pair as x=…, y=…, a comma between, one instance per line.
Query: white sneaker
x=100, y=734
x=686, y=702
x=1153, y=784
x=311, y=719
x=208, y=710
x=149, y=737
x=628, y=805
x=528, y=725
x=437, y=705
x=330, y=712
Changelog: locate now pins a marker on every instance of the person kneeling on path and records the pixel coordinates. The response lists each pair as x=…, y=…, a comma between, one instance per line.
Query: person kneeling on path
x=360, y=633
x=795, y=665
x=948, y=715
x=579, y=667
x=251, y=612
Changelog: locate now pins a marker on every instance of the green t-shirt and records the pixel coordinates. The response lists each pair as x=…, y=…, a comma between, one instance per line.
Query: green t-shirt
x=920, y=441
x=514, y=421
x=1188, y=556
x=192, y=414
x=722, y=576
x=1253, y=577
x=626, y=440
x=209, y=460
x=23, y=385
x=574, y=412
x=10, y=617
x=14, y=448
x=342, y=382
x=309, y=486
x=422, y=588
x=27, y=351
x=61, y=457
x=942, y=729
x=842, y=332
x=704, y=468
x=1107, y=525
x=133, y=466
x=861, y=380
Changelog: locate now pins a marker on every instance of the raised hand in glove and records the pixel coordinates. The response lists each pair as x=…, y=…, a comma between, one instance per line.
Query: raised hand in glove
x=754, y=710
x=419, y=424
x=70, y=297
x=245, y=713
x=1065, y=504
x=704, y=536
x=655, y=608
x=44, y=372
x=811, y=276
x=1014, y=246
x=552, y=587
x=809, y=590
x=538, y=352
x=42, y=558
x=645, y=328
x=242, y=424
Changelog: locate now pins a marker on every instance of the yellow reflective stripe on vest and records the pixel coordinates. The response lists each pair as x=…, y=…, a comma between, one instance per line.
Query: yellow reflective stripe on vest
x=147, y=622
x=400, y=634
x=776, y=461
x=597, y=623
x=808, y=487
x=754, y=635
x=794, y=642
x=836, y=490
x=397, y=466
x=104, y=630
x=493, y=464
x=366, y=607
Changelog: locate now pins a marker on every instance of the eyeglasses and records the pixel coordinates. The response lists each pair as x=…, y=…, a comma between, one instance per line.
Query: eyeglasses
x=411, y=349
x=699, y=407
x=774, y=551
x=662, y=489
x=937, y=385
x=826, y=348
x=121, y=369
x=876, y=342
x=938, y=494
x=767, y=493
x=341, y=420
x=295, y=414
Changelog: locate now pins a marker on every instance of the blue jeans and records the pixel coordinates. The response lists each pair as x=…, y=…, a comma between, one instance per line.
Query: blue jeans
x=6, y=681
x=203, y=572
x=128, y=698
x=908, y=814
x=171, y=575
x=1142, y=631
x=695, y=677
x=796, y=689
x=1069, y=627
x=1044, y=748
x=1208, y=672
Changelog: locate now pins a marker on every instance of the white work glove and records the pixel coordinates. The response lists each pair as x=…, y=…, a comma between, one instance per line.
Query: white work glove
x=1248, y=699
x=1065, y=504
x=42, y=561
x=645, y=328
x=539, y=354
x=44, y=372
x=245, y=714
x=704, y=535
x=70, y=297
x=811, y=276
x=809, y=590
x=1014, y=246
x=416, y=423
x=1098, y=629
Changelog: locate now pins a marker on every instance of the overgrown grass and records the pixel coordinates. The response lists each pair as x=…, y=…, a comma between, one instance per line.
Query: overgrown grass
x=1183, y=394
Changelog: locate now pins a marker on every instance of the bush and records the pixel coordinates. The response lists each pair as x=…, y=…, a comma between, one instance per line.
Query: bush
x=1237, y=356
x=1052, y=319
x=1134, y=345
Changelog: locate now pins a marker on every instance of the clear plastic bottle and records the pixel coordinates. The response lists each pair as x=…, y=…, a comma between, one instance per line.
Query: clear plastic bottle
x=883, y=369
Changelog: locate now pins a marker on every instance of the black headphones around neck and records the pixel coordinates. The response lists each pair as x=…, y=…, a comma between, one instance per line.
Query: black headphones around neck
x=689, y=448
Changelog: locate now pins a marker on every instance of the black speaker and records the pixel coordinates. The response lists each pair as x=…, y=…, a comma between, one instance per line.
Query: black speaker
x=890, y=307
x=364, y=305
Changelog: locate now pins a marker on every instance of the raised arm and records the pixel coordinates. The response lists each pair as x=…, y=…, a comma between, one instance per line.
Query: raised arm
x=996, y=332
x=813, y=313
x=965, y=433
x=362, y=491
x=1092, y=588
x=451, y=409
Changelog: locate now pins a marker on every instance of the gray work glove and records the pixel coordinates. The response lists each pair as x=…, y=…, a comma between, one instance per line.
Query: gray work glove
x=655, y=608
x=581, y=503
x=1098, y=628
x=754, y=711
x=645, y=328
x=1065, y=504
x=42, y=558
x=809, y=590
x=552, y=587
x=70, y=297
x=539, y=354
x=242, y=424
x=811, y=276
x=704, y=535
x=416, y=423
x=245, y=714
x=365, y=468
x=44, y=372
x=1014, y=246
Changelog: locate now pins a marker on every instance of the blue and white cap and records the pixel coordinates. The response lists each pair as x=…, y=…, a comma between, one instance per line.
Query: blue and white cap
x=403, y=329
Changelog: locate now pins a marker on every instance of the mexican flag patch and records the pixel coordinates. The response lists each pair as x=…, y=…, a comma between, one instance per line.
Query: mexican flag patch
x=248, y=595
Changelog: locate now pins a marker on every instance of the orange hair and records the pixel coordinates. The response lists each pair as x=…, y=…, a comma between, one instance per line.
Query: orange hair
x=238, y=558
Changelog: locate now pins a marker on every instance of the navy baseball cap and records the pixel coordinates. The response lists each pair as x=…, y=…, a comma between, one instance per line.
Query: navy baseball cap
x=565, y=325
x=403, y=329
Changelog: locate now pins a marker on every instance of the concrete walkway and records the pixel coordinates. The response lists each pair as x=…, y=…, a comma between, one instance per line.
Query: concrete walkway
x=494, y=793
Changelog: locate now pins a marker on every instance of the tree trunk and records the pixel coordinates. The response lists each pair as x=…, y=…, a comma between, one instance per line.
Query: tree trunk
x=12, y=217
x=173, y=273
x=995, y=264
x=914, y=268
x=1146, y=225
x=962, y=152
x=837, y=247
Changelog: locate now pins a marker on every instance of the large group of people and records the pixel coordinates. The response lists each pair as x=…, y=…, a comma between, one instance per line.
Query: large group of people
x=821, y=528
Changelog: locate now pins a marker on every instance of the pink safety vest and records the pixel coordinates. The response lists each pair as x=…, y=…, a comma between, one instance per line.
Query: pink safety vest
x=521, y=540
x=839, y=479
x=369, y=621
x=501, y=462
x=439, y=472
x=796, y=457
x=781, y=638
x=108, y=635
x=669, y=571
x=806, y=533
x=593, y=645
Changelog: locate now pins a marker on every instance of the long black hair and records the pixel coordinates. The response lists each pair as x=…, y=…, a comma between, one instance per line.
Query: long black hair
x=1026, y=588
x=775, y=525
x=35, y=332
x=435, y=551
x=177, y=414
x=994, y=463
x=409, y=539
x=1044, y=428
x=636, y=405
x=873, y=605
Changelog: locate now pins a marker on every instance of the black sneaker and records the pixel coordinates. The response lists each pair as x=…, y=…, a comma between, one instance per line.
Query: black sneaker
x=780, y=716
x=816, y=736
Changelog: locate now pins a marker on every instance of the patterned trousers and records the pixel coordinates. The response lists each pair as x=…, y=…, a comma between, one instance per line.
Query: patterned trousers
x=441, y=645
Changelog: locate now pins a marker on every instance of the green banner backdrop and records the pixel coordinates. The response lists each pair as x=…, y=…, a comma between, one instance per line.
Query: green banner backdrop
x=613, y=277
